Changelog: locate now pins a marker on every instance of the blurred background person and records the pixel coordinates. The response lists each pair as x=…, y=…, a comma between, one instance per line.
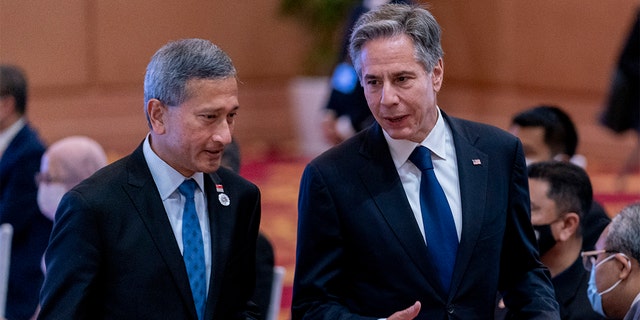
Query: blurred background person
x=265, y=257
x=622, y=112
x=64, y=164
x=346, y=111
x=614, y=285
x=548, y=133
x=20, y=153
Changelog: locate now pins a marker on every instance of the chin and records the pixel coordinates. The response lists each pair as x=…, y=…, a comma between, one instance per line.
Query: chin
x=210, y=167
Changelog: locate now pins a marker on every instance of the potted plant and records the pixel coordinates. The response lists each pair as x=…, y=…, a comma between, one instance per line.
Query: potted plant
x=324, y=19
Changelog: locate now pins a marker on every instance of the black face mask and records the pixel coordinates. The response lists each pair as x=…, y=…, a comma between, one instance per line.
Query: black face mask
x=546, y=241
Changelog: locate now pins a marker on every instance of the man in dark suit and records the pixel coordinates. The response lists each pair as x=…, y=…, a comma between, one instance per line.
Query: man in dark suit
x=20, y=153
x=116, y=250
x=362, y=248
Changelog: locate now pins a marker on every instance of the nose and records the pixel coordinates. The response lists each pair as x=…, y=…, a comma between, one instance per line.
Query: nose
x=223, y=133
x=389, y=95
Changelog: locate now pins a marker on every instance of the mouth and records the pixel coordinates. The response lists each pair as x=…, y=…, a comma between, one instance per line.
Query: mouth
x=396, y=119
x=215, y=152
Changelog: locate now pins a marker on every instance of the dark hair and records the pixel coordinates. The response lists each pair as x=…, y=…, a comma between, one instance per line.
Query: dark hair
x=569, y=185
x=559, y=131
x=14, y=83
x=391, y=20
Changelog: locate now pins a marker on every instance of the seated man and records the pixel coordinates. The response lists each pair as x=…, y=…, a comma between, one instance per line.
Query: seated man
x=614, y=287
x=561, y=194
x=547, y=133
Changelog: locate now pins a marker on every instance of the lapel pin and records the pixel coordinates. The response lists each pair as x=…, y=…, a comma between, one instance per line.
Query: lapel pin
x=476, y=162
x=222, y=197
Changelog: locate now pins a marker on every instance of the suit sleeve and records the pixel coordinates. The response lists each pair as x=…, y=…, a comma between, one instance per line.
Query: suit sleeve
x=525, y=283
x=72, y=261
x=317, y=284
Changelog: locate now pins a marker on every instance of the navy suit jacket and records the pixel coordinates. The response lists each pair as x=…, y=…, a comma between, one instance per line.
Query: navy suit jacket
x=360, y=253
x=19, y=207
x=113, y=254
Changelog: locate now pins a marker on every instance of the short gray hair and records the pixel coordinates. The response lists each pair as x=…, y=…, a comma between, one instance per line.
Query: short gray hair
x=624, y=232
x=177, y=62
x=392, y=20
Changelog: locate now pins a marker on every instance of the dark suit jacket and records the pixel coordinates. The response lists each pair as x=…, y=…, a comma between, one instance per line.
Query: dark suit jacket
x=360, y=252
x=113, y=255
x=19, y=207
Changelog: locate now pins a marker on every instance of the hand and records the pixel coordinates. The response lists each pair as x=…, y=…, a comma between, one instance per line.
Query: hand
x=407, y=314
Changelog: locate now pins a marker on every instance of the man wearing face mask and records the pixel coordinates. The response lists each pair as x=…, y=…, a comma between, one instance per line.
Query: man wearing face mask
x=560, y=195
x=63, y=165
x=548, y=133
x=614, y=286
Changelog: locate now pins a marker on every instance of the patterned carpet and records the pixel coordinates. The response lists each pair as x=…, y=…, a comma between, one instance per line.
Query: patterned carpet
x=278, y=179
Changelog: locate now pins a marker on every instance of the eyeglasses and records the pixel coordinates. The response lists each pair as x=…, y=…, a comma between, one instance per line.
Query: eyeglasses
x=589, y=258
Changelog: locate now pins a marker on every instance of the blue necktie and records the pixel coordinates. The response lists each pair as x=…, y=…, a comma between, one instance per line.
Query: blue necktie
x=439, y=228
x=193, y=247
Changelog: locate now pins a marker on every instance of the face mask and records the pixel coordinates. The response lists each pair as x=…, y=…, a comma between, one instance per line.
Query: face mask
x=595, y=297
x=545, y=238
x=49, y=196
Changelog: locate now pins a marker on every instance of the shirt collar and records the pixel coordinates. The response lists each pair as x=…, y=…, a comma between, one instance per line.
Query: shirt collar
x=167, y=179
x=401, y=149
x=11, y=132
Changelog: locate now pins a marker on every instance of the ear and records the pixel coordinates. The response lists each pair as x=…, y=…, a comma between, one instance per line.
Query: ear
x=569, y=226
x=625, y=265
x=156, y=111
x=437, y=75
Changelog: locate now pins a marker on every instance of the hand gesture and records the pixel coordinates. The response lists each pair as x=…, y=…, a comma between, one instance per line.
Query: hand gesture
x=407, y=314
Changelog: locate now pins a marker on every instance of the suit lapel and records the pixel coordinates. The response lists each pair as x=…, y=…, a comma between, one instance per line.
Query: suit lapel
x=473, y=171
x=144, y=195
x=381, y=179
x=221, y=221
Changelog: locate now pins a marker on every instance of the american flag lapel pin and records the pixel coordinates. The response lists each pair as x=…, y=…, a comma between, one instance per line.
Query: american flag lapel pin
x=476, y=162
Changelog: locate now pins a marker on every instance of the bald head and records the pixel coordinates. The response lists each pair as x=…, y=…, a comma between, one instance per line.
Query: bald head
x=73, y=159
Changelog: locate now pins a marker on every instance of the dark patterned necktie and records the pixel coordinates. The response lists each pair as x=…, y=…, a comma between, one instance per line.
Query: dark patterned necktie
x=439, y=228
x=193, y=247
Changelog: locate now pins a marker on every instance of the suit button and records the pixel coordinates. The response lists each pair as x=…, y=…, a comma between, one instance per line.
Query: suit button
x=450, y=309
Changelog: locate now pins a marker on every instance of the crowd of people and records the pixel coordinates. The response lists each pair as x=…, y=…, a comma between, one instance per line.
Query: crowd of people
x=418, y=215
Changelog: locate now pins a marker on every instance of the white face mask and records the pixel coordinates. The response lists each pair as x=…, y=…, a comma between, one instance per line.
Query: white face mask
x=49, y=196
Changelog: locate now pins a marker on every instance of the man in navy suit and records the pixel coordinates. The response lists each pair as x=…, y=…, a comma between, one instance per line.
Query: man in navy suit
x=116, y=249
x=362, y=248
x=20, y=153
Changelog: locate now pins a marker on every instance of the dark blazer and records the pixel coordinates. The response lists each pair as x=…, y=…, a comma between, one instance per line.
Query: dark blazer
x=113, y=255
x=360, y=252
x=19, y=207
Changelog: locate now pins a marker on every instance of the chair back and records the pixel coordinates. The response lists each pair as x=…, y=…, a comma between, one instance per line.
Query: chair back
x=276, y=293
x=6, y=234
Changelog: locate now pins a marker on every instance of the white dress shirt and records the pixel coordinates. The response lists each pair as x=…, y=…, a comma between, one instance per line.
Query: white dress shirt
x=440, y=142
x=167, y=181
